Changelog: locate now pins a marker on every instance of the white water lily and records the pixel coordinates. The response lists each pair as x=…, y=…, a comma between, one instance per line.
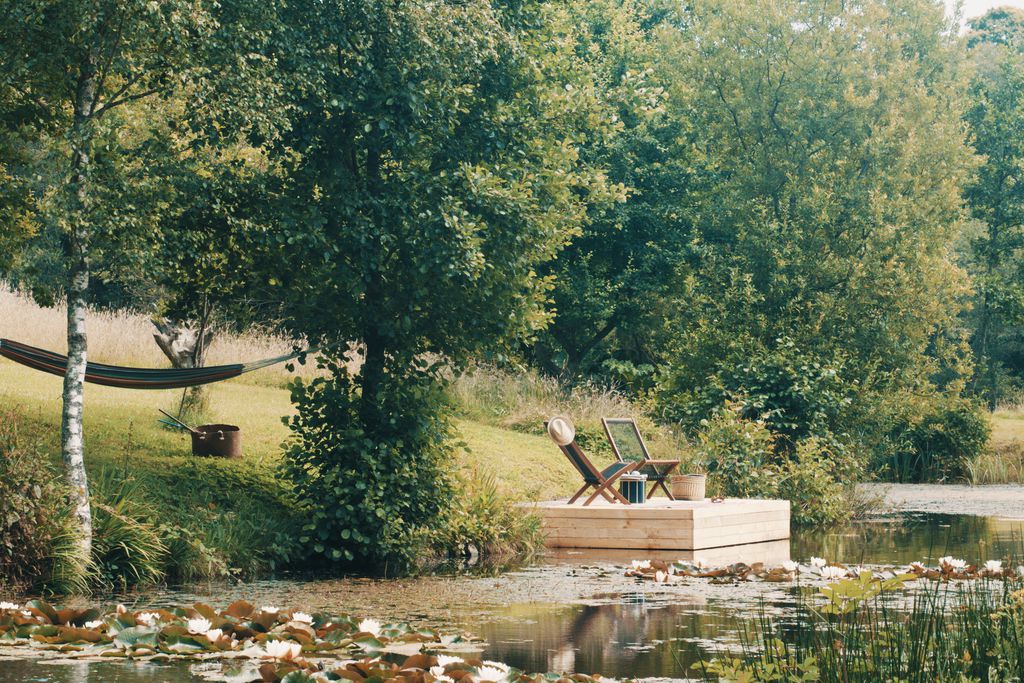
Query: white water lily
x=790, y=565
x=302, y=617
x=270, y=610
x=9, y=605
x=199, y=626
x=445, y=660
x=641, y=564
x=993, y=567
x=952, y=563
x=93, y=624
x=370, y=626
x=917, y=567
x=147, y=618
x=213, y=635
x=832, y=573
x=491, y=674
x=660, y=577
x=818, y=562
x=282, y=649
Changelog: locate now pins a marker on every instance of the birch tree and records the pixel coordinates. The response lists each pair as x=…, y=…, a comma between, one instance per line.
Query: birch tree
x=93, y=98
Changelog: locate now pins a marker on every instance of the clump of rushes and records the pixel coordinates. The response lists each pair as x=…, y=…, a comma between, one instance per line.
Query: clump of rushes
x=271, y=644
x=851, y=632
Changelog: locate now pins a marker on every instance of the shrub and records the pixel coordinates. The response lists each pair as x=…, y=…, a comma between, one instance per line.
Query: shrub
x=935, y=440
x=744, y=459
x=817, y=481
x=738, y=453
x=37, y=531
x=793, y=392
x=481, y=518
x=370, y=493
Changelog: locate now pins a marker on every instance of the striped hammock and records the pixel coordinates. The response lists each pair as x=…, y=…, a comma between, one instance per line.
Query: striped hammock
x=133, y=378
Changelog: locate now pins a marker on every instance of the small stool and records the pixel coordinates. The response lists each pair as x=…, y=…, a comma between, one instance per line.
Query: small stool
x=633, y=487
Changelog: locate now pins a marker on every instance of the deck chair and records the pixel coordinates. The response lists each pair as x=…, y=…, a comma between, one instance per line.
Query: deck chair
x=602, y=481
x=629, y=446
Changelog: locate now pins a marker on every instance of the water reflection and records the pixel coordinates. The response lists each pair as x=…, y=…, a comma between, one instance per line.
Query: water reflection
x=915, y=537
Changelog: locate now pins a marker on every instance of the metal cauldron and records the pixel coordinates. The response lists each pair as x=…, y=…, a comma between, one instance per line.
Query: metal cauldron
x=219, y=441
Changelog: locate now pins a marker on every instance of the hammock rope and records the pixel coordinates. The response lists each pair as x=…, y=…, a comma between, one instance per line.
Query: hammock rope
x=135, y=378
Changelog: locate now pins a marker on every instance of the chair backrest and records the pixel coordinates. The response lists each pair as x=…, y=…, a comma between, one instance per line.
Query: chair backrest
x=624, y=437
x=579, y=460
x=582, y=463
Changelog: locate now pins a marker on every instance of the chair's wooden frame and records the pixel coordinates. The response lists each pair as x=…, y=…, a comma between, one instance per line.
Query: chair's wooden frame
x=659, y=479
x=604, y=486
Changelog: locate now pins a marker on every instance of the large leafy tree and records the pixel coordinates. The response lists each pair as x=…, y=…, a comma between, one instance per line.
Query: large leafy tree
x=94, y=95
x=612, y=278
x=435, y=165
x=996, y=197
x=832, y=138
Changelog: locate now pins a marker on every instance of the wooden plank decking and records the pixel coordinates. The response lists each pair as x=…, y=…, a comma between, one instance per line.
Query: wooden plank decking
x=661, y=524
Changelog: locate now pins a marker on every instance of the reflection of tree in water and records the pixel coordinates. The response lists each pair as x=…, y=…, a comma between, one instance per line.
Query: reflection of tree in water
x=629, y=637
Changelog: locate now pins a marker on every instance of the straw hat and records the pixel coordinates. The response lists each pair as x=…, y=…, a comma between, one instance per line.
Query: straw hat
x=561, y=430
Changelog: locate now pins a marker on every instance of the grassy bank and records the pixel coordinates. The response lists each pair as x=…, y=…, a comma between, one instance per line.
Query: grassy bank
x=224, y=517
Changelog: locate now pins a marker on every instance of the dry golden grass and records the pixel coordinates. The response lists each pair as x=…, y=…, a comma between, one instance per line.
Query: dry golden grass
x=1004, y=461
x=126, y=338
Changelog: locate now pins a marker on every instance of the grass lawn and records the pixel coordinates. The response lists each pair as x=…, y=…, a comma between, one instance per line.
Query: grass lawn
x=121, y=429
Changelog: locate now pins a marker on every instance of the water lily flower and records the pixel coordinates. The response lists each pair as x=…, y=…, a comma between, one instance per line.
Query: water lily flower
x=302, y=617
x=199, y=626
x=282, y=649
x=8, y=606
x=993, y=567
x=213, y=635
x=93, y=624
x=641, y=564
x=269, y=610
x=952, y=563
x=818, y=562
x=370, y=626
x=917, y=567
x=790, y=565
x=445, y=660
x=832, y=573
x=660, y=577
x=147, y=618
x=27, y=613
x=491, y=674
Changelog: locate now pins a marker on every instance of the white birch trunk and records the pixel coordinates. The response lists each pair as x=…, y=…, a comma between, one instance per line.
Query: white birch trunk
x=77, y=254
x=72, y=441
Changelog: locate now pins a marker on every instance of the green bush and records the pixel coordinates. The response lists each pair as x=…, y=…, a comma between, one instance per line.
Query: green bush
x=935, y=440
x=744, y=459
x=37, y=531
x=481, y=517
x=370, y=498
x=793, y=392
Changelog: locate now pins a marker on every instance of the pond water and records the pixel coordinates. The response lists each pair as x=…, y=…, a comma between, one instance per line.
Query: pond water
x=577, y=611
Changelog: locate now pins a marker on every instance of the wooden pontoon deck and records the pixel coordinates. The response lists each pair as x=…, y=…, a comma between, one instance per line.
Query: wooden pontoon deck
x=662, y=524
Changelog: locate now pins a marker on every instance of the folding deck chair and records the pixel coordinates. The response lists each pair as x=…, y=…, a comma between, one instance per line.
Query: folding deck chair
x=603, y=481
x=629, y=446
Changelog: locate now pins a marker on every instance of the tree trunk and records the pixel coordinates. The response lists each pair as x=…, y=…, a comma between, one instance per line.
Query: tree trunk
x=77, y=254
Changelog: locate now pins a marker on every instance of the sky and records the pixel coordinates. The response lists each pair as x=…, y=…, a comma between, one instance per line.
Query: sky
x=974, y=8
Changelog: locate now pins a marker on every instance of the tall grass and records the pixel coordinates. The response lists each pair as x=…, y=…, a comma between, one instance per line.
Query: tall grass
x=522, y=401
x=126, y=338
x=970, y=632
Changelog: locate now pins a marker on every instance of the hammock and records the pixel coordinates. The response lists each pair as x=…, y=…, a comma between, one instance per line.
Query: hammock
x=133, y=378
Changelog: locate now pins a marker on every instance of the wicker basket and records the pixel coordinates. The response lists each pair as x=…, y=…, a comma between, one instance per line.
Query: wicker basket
x=688, y=486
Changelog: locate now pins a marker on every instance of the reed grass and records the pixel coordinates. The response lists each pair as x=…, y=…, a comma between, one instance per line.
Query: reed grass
x=944, y=632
